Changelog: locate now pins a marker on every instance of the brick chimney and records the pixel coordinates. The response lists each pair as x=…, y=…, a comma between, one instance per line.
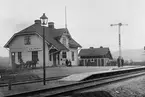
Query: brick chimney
x=101, y=46
x=51, y=25
x=37, y=21
x=91, y=47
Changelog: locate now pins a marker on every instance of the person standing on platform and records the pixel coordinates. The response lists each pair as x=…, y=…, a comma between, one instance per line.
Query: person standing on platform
x=66, y=62
x=118, y=61
x=122, y=62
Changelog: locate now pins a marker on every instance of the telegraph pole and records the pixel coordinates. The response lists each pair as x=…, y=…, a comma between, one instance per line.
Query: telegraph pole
x=119, y=33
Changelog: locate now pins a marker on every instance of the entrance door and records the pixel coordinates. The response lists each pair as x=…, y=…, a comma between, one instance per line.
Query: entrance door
x=13, y=57
x=13, y=60
x=54, y=59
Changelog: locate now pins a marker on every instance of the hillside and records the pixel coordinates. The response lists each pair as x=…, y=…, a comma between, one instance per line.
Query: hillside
x=4, y=62
x=132, y=54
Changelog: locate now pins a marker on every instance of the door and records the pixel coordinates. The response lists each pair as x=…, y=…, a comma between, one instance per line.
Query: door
x=13, y=57
x=13, y=60
x=54, y=59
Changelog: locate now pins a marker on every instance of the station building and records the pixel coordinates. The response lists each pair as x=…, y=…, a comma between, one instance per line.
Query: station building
x=95, y=56
x=28, y=45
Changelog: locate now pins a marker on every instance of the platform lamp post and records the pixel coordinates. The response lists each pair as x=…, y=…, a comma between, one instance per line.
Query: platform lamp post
x=44, y=21
x=120, y=54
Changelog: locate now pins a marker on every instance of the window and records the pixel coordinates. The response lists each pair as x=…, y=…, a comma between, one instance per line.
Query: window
x=27, y=40
x=19, y=56
x=64, y=41
x=63, y=54
x=35, y=56
x=72, y=53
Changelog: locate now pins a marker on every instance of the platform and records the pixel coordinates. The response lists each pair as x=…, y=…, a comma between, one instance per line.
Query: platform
x=73, y=78
x=83, y=76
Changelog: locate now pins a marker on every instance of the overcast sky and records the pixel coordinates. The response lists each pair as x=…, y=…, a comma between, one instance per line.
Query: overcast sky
x=88, y=20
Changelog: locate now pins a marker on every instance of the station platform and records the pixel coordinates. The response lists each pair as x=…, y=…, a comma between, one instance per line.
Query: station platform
x=72, y=78
x=83, y=76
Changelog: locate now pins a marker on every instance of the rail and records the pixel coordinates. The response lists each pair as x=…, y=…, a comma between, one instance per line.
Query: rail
x=94, y=80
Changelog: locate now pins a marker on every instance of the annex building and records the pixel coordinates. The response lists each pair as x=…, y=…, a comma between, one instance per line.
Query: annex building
x=95, y=56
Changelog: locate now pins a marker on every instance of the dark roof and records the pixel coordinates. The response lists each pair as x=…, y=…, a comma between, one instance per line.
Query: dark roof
x=95, y=52
x=73, y=43
x=52, y=35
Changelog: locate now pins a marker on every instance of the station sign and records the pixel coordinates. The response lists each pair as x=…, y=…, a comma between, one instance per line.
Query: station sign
x=34, y=49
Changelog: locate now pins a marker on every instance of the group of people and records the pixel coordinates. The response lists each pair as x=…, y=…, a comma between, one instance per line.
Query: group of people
x=68, y=62
x=120, y=62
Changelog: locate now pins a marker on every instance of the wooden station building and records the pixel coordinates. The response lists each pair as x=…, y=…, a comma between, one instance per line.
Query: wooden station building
x=95, y=56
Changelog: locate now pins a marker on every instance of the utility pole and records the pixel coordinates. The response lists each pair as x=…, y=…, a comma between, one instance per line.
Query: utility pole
x=119, y=33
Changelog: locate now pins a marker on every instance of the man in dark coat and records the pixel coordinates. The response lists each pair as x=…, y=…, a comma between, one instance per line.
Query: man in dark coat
x=66, y=62
x=122, y=62
x=118, y=61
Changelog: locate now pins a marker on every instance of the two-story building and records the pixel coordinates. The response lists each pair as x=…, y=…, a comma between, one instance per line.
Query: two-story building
x=28, y=45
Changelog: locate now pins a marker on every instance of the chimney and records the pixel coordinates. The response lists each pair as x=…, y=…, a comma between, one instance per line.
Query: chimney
x=101, y=46
x=37, y=22
x=51, y=25
x=91, y=47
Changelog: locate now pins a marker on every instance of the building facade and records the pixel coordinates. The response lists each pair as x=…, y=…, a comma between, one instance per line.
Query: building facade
x=27, y=45
x=95, y=56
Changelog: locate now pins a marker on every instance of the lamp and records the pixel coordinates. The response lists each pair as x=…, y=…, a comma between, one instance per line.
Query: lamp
x=44, y=21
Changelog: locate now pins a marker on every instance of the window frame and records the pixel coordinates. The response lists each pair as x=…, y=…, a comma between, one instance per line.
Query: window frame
x=27, y=40
x=34, y=55
x=64, y=55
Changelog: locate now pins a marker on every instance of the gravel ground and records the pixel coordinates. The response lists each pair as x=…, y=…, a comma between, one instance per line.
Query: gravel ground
x=134, y=87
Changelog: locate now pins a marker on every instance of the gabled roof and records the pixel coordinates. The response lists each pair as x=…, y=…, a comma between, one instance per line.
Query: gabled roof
x=95, y=52
x=73, y=43
x=51, y=35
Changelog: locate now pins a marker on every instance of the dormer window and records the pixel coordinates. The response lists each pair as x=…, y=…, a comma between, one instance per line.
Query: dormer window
x=64, y=41
x=27, y=40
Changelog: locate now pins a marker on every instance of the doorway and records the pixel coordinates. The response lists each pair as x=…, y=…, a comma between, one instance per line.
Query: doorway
x=13, y=60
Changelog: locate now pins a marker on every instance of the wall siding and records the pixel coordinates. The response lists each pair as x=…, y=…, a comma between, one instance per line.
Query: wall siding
x=17, y=45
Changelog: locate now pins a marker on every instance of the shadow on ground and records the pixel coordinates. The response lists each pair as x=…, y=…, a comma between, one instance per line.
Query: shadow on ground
x=92, y=94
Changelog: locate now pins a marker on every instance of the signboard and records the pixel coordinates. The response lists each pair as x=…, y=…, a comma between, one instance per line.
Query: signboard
x=25, y=49
x=34, y=49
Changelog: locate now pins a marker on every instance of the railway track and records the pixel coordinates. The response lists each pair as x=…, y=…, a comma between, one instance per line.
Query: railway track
x=105, y=78
x=33, y=81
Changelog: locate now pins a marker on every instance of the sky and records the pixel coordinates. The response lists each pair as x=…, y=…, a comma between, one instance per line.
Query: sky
x=88, y=21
